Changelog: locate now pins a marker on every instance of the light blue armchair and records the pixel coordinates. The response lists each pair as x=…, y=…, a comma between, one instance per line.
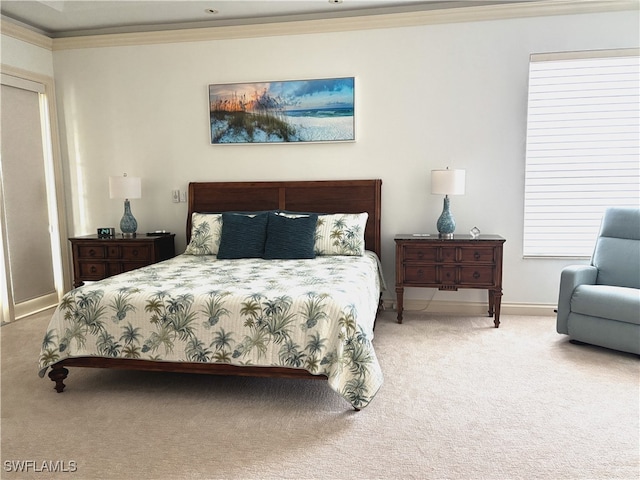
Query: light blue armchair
x=599, y=303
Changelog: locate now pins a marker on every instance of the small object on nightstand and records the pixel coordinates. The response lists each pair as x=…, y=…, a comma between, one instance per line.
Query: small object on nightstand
x=474, y=232
x=421, y=234
x=106, y=232
x=158, y=233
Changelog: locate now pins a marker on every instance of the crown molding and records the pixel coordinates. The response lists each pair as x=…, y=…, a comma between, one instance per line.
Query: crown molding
x=25, y=35
x=384, y=21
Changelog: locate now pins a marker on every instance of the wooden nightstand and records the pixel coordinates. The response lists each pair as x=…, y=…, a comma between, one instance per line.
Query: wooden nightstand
x=97, y=258
x=462, y=262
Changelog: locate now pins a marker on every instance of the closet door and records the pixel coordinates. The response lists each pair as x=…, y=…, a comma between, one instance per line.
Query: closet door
x=26, y=225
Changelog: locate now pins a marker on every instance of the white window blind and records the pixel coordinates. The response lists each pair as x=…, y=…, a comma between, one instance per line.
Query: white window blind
x=583, y=154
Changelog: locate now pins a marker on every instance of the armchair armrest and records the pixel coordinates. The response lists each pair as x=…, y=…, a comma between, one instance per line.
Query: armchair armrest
x=570, y=278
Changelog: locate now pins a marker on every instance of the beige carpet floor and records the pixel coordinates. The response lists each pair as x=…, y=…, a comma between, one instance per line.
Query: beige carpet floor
x=461, y=400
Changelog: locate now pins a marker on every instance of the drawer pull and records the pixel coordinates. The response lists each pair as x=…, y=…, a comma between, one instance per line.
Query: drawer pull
x=92, y=253
x=420, y=254
x=476, y=275
x=93, y=269
x=134, y=252
x=420, y=273
x=476, y=255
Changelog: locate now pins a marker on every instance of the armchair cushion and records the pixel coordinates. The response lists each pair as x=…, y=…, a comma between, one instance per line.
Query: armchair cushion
x=606, y=301
x=617, y=252
x=617, y=261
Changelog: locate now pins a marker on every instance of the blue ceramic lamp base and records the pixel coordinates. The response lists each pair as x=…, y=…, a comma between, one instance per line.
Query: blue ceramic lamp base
x=446, y=223
x=128, y=224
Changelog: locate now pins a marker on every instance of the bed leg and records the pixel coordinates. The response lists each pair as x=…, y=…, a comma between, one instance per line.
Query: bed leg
x=58, y=374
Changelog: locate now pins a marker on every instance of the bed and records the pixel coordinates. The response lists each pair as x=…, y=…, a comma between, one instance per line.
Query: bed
x=217, y=310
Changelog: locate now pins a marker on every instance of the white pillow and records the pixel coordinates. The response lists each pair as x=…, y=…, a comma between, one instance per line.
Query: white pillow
x=341, y=234
x=206, y=229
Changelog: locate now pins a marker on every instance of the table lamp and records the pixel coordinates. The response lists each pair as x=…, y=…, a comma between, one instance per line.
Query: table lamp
x=447, y=182
x=127, y=188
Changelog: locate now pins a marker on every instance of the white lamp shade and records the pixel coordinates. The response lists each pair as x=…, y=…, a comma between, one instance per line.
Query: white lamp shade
x=447, y=182
x=125, y=187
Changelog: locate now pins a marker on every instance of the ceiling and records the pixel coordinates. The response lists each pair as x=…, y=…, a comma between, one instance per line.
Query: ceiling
x=68, y=18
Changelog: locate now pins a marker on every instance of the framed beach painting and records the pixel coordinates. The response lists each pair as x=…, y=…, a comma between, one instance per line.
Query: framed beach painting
x=295, y=111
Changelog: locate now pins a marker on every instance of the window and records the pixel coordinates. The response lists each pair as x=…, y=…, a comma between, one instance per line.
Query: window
x=583, y=129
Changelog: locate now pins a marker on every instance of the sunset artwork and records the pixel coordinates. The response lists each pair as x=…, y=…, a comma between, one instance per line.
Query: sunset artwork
x=278, y=112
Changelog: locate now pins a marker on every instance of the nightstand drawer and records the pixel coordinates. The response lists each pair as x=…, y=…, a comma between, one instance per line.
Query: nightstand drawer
x=138, y=253
x=419, y=274
x=477, y=254
x=91, y=251
x=447, y=275
x=93, y=270
x=478, y=275
x=419, y=254
x=447, y=254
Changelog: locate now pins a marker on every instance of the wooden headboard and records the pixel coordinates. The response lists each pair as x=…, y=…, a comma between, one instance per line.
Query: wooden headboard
x=325, y=196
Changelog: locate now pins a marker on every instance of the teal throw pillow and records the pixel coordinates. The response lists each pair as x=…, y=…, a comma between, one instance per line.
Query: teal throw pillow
x=243, y=236
x=290, y=238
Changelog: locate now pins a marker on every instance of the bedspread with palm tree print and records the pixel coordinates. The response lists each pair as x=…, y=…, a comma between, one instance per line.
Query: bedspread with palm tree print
x=314, y=314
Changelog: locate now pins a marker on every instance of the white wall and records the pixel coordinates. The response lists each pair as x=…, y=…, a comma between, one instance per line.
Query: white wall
x=26, y=56
x=427, y=97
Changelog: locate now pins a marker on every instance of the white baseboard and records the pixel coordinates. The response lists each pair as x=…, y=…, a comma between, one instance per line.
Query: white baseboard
x=36, y=305
x=471, y=308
